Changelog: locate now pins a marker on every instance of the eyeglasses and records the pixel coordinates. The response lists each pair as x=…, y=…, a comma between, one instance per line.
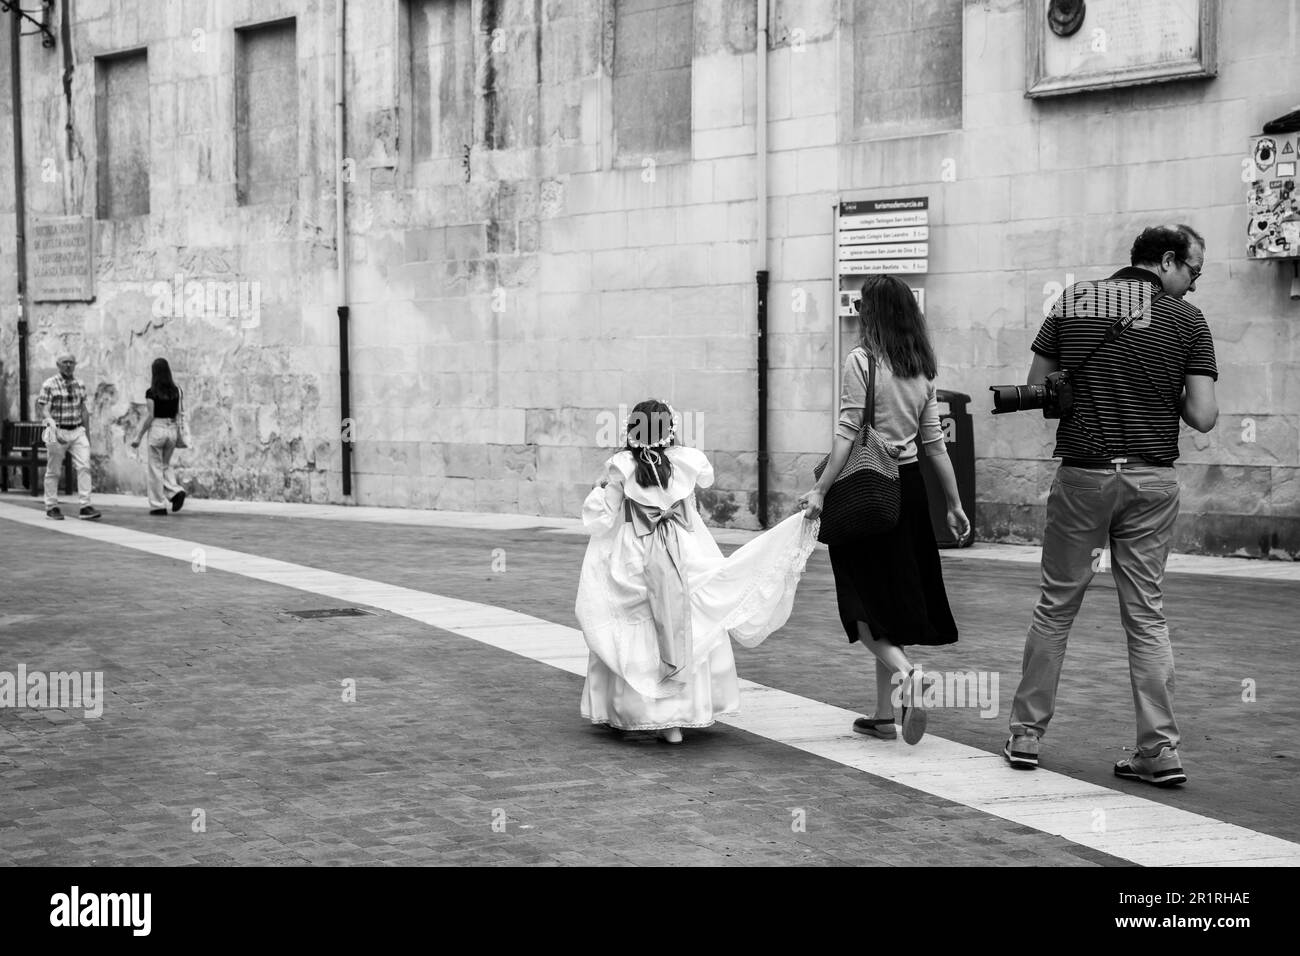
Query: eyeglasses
x=1196, y=273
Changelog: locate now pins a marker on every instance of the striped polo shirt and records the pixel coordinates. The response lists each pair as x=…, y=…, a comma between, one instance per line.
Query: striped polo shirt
x=1126, y=398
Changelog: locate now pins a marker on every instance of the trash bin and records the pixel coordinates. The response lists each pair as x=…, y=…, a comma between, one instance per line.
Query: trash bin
x=958, y=432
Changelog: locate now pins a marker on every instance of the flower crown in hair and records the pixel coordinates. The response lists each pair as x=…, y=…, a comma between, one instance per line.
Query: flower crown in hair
x=663, y=442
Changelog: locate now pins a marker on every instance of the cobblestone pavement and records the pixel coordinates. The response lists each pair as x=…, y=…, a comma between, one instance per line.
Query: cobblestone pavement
x=222, y=709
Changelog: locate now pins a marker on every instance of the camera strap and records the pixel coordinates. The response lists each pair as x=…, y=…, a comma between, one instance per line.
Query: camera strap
x=1119, y=327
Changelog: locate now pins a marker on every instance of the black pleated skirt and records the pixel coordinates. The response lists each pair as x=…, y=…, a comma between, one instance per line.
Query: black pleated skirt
x=894, y=581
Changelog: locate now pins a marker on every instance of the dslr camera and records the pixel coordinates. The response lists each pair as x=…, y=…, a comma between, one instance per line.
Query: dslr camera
x=1055, y=396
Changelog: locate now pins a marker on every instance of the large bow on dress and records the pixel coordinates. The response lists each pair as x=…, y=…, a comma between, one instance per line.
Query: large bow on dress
x=667, y=589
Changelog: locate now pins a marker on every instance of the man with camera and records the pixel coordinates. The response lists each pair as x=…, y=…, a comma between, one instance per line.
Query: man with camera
x=1119, y=361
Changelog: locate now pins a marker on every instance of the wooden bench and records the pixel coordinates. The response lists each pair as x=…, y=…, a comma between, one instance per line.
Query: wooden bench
x=22, y=447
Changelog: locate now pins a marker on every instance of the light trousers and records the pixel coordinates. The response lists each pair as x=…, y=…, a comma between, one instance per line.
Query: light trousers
x=74, y=442
x=160, y=478
x=1132, y=513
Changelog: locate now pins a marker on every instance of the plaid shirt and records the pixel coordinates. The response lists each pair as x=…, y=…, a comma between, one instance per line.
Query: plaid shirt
x=62, y=400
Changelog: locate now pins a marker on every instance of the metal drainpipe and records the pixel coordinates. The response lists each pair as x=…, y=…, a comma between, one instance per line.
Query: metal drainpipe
x=20, y=213
x=760, y=158
x=345, y=400
x=762, y=398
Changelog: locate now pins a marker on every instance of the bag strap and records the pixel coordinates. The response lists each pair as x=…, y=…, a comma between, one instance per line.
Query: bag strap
x=1120, y=326
x=869, y=412
x=871, y=390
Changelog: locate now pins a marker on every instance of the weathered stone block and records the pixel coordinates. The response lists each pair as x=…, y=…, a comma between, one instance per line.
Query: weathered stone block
x=715, y=143
x=810, y=215
x=731, y=353
x=705, y=223
x=1013, y=481
x=782, y=180
x=496, y=495
x=652, y=227
x=456, y=494
x=717, y=94
x=1009, y=524
x=1224, y=489
x=1243, y=439
x=1284, y=492
x=673, y=266
x=574, y=272
x=800, y=390
x=806, y=257
x=733, y=179
x=800, y=350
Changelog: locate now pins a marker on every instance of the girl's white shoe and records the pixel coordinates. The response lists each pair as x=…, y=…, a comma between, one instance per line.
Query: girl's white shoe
x=672, y=735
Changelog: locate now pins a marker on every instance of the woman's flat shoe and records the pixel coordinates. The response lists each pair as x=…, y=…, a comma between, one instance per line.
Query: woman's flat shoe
x=881, y=728
x=914, y=718
x=673, y=735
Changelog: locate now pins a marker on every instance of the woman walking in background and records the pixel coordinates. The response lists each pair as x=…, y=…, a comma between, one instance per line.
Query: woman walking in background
x=889, y=586
x=161, y=423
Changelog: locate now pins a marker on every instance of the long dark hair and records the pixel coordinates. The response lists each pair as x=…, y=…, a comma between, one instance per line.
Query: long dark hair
x=649, y=433
x=163, y=385
x=891, y=326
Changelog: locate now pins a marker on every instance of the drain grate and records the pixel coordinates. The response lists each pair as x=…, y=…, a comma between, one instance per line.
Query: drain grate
x=330, y=612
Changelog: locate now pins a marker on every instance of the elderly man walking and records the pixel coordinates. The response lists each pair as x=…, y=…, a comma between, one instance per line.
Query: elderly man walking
x=62, y=406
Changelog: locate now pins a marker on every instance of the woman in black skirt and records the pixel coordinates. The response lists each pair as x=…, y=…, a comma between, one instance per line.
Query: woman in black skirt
x=890, y=586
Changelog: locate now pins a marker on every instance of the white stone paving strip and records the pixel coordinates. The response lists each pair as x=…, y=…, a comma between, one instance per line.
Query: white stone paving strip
x=473, y=520
x=1117, y=823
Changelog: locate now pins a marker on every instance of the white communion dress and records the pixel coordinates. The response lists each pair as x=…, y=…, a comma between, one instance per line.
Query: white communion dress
x=658, y=602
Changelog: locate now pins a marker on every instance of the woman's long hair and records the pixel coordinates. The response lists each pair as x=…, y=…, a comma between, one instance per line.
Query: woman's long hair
x=163, y=385
x=651, y=423
x=891, y=326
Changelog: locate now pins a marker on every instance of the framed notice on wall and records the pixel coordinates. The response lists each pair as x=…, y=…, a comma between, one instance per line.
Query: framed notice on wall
x=61, y=259
x=1074, y=45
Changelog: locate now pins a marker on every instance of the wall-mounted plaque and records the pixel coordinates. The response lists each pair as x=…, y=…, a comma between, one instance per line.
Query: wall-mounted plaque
x=61, y=259
x=1074, y=45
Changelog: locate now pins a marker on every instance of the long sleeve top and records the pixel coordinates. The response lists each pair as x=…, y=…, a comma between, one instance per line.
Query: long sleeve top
x=906, y=409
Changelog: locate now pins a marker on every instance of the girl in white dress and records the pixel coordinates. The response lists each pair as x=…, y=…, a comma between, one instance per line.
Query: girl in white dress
x=658, y=602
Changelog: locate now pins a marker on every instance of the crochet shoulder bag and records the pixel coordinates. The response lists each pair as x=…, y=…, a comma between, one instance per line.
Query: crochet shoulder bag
x=866, y=497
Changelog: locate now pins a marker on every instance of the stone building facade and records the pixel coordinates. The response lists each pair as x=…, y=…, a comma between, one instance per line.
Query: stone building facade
x=551, y=212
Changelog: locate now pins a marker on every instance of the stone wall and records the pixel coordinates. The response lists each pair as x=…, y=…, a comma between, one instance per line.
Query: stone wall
x=511, y=292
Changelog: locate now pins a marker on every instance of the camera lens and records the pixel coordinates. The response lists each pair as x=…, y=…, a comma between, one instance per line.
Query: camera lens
x=1017, y=398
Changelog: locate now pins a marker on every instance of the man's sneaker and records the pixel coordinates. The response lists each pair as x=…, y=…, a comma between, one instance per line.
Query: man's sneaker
x=89, y=514
x=1021, y=751
x=1162, y=770
x=178, y=501
x=54, y=513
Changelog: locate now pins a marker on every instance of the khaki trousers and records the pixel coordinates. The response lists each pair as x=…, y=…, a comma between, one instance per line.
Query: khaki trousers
x=70, y=441
x=1132, y=512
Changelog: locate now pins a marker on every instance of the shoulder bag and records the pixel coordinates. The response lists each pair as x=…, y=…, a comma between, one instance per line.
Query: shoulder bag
x=866, y=497
x=183, y=437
